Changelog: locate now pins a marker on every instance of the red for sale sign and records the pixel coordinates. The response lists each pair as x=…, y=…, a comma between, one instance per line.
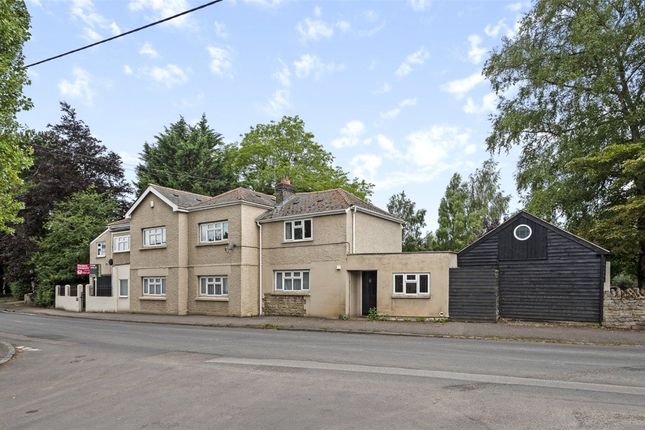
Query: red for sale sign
x=83, y=269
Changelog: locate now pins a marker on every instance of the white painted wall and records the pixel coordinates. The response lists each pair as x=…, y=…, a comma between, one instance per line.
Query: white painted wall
x=119, y=273
x=67, y=303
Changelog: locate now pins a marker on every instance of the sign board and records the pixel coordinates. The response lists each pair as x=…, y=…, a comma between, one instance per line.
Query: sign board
x=86, y=269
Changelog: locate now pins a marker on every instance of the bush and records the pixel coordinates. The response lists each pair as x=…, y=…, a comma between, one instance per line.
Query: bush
x=623, y=281
x=373, y=315
x=18, y=290
x=44, y=295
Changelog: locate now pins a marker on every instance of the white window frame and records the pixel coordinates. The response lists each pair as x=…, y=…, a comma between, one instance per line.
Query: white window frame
x=121, y=243
x=411, y=278
x=154, y=286
x=302, y=276
x=208, y=286
x=156, y=233
x=127, y=289
x=101, y=249
x=522, y=238
x=220, y=227
x=290, y=227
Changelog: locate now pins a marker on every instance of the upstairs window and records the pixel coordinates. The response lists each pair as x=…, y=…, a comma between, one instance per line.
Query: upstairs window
x=154, y=236
x=121, y=243
x=213, y=232
x=297, y=230
x=101, y=249
x=412, y=284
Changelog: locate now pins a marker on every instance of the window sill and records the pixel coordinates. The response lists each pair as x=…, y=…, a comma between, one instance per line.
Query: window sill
x=298, y=241
x=120, y=252
x=100, y=256
x=211, y=299
x=148, y=248
x=411, y=296
x=291, y=293
x=123, y=297
x=153, y=298
x=221, y=242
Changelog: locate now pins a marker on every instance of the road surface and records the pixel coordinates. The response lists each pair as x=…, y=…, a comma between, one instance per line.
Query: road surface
x=87, y=374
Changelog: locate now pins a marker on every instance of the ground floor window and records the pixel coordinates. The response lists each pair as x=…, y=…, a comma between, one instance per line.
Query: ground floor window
x=411, y=283
x=213, y=286
x=154, y=286
x=292, y=281
x=123, y=288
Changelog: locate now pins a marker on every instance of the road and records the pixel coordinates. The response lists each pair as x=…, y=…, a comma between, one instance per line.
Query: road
x=86, y=374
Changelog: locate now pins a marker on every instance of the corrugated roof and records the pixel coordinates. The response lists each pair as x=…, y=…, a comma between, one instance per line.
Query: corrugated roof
x=320, y=201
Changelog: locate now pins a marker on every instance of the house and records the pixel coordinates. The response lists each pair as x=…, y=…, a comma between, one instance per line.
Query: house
x=528, y=269
x=245, y=253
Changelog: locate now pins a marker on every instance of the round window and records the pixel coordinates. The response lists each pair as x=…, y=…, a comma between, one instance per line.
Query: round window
x=522, y=232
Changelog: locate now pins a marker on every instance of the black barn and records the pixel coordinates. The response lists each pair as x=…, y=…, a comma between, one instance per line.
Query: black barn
x=528, y=269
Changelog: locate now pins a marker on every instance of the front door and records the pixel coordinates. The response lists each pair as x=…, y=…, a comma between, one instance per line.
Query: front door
x=369, y=291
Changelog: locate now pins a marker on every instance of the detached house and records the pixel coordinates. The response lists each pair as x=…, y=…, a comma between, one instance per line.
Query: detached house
x=246, y=253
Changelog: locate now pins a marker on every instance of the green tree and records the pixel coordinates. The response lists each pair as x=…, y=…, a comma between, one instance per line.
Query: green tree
x=14, y=155
x=414, y=221
x=270, y=152
x=572, y=94
x=73, y=224
x=486, y=201
x=455, y=229
x=186, y=157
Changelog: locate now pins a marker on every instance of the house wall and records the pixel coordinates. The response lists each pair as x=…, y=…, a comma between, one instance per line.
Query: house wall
x=321, y=256
x=118, y=273
x=158, y=261
x=67, y=302
x=386, y=265
x=119, y=258
x=102, y=261
x=375, y=234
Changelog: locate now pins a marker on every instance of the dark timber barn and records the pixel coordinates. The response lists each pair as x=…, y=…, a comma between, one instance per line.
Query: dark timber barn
x=528, y=269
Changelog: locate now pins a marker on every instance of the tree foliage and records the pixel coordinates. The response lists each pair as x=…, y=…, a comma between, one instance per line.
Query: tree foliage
x=414, y=221
x=67, y=159
x=572, y=96
x=189, y=158
x=270, y=152
x=73, y=224
x=470, y=208
x=14, y=155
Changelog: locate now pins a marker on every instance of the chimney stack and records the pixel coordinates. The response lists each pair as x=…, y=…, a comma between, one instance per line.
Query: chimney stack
x=283, y=190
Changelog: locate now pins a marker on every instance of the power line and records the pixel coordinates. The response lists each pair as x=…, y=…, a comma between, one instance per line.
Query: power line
x=123, y=34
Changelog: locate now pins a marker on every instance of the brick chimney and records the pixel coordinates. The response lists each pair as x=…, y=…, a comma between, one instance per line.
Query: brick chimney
x=283, y=190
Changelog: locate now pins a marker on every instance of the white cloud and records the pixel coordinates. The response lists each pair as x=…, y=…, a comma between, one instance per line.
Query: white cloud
x=220, y=30
x=430, y=148
x=365, y=166
x=492, y=30
x=314, y=29
x=169, y=76
x=385, y=88
x=127, y=70
x=310, y=65
x=343, y=25
x=318, y=11
x=148, y=50
x=417, y=58
x=476, y=52
x=79, y=88
x=460, y=87
x=350, y=135
x=283, y=75
x=221, y=63
x=84, y=11
x=163, y=9
x=279, y=102
x=516, y=7
x=488, y=104
x=470, y=149
x=419, y=5
x=393, y=113
x=387, y=146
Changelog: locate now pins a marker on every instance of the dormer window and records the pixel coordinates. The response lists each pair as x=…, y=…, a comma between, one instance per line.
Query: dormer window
x=297, y=230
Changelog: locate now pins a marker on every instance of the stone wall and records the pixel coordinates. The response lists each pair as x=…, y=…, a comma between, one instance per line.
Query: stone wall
x=624, y=308
x=285, y=305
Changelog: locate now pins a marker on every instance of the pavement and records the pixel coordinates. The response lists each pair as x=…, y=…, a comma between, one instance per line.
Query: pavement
x=504, y=330
x=72, y=373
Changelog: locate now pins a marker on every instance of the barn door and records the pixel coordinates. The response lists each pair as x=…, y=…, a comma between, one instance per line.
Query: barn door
x=473, y=294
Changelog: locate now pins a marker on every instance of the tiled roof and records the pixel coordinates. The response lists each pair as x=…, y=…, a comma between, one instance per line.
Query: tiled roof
x=238, y=194
x=120, y=222
x=320, y=201
x=182, y=199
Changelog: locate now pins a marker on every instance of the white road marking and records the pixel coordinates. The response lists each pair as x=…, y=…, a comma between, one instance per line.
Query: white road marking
x=26, y=348
x=436, y=374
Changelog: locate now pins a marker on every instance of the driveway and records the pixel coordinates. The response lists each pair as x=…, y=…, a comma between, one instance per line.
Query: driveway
x=76, y=373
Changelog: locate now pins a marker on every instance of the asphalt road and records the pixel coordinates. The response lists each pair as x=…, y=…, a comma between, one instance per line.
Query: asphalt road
x=85, y=374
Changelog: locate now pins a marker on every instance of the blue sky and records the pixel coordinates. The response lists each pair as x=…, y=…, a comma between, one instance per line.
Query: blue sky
x=392, y=88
